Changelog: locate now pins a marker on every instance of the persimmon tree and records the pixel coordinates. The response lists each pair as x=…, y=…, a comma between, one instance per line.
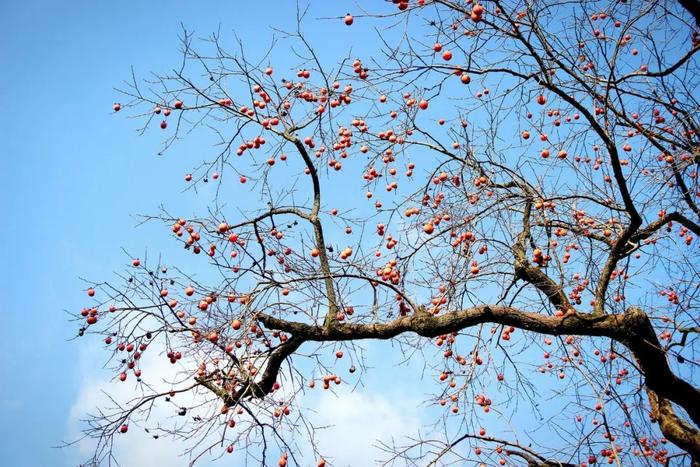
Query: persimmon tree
x=515, y=200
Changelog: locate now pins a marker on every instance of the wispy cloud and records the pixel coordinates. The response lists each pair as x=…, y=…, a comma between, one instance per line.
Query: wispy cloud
x=354, y=422
x=359, y=421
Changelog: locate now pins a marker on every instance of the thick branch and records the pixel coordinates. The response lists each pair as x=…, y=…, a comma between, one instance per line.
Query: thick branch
x=633, y=329
x=693, y=7
x=534, y=275
x=318, y=229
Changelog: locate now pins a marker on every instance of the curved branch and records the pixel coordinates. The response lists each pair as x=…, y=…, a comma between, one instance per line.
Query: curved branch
x=632, y=329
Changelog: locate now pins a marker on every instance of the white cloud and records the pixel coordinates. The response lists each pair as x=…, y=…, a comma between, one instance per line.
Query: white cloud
x=355, y=421
x=359, y=421
x=136, y=448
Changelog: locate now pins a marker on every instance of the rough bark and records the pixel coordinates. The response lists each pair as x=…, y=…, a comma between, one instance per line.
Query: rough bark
x=632, y=329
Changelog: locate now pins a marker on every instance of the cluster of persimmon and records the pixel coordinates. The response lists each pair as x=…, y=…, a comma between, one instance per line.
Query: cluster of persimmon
x=477, y=12
x=620, y=273
x=567, y=250
x=540, y=258
x=178, y=104
x=403, y=5
x=255, y=143
x=648, y=449
x=412, y=211
x=576, y=352
x=173, y=356
x=467, y=239
x=345, y=253
x=326, y=380
x=454, y=398
x=579, y=288
x=683, y=232
x=604, y=358
x=498, y=450
x=438, y=301
x=277, y=413
x=671, y=295
x=359, y=70
x=443, y=177
x=611, y=455
x=560, y=232
x=483, y=401
x=390, y=241
x=390, y=272
x=404, y=309
x=449, y=340
x=621, y=374
x=322, y=98
x=299, y=91
x=344, y=313
x=136, y=354
x=429, y=226
x=446, y=54
x=90, y=315
x=344, y=142
x=584, y=220
x=390, y=136
x=507, y=331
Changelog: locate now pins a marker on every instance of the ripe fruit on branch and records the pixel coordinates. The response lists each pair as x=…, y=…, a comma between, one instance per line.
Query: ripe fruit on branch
x=477, y=13
x=346, y=253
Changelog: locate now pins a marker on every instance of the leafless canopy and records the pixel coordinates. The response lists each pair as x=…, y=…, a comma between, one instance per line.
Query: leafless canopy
x=512, y=180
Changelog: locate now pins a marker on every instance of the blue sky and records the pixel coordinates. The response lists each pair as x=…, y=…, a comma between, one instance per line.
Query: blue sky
x=75, y=176
x=71, y=187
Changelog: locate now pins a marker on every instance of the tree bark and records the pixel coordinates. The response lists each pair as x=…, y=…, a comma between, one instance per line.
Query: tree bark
x=633, y=329
x=692, y=7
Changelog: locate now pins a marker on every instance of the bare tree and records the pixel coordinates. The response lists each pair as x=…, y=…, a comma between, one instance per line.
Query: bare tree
x=520, y=189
